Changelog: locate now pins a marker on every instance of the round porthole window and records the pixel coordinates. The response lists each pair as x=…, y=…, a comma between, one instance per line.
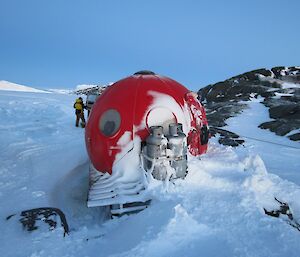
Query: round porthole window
x=110, y=122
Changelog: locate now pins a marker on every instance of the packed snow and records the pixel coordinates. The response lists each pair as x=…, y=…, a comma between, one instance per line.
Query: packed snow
x=217, y=210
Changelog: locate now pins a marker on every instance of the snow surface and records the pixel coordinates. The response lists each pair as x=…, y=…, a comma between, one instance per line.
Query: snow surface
x=216, y=211
x=9, y=86
x=281, y=155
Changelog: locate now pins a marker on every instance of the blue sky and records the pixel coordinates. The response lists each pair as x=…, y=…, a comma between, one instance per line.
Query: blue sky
x=60, y=44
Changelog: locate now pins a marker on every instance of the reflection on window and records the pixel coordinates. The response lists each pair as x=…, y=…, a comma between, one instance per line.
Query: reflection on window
x=110, y=122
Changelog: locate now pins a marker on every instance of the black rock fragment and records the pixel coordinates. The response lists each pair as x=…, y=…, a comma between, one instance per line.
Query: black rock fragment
x=45, y=214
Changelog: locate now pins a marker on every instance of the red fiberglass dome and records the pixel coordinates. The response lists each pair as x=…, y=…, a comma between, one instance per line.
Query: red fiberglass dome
x=128, y=108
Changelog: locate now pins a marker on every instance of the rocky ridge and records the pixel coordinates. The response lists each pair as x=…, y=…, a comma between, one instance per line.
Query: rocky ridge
x=280, y=89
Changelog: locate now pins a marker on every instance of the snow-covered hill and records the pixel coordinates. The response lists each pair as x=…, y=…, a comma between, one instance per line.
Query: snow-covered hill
x=216, y=211
x=280, y=92
x=9, y=86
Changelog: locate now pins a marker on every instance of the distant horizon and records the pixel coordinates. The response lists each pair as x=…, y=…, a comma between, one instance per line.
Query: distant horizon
x=61, y=44
x=103, y=84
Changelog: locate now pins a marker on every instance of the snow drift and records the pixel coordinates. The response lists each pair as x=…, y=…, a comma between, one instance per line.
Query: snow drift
x=217, y=209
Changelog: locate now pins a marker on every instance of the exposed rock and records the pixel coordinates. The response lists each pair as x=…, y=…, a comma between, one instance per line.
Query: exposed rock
x=277, y=71
x=289, y=111
x=227, y=137
x=228, y=98
x=95, y=90
x=218, y=113
x=280, y=127
x=295, y=137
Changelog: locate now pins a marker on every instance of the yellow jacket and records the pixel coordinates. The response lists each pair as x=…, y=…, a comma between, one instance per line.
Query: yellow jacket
x=78, y=105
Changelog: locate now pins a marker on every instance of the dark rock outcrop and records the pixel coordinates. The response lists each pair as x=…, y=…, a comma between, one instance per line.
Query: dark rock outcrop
x=228, y=98
x=227, y=137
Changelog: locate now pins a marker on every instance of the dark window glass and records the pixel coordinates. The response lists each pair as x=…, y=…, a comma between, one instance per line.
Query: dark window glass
x=110, y=122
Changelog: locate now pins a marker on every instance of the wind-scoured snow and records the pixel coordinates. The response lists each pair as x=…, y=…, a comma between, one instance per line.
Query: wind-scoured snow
x=280, y=155
x=216, y=211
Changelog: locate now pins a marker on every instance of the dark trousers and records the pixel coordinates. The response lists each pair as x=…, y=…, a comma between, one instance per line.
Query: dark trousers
x=79, y=115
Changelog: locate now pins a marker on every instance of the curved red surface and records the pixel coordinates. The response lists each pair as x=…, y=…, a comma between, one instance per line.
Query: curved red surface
x=131, y=98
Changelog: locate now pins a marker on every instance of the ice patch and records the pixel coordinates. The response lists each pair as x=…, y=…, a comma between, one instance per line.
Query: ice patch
x=37, y=194
x=287, y=85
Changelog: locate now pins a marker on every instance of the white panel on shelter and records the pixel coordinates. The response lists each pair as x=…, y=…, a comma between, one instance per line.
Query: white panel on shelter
x=160, y=116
